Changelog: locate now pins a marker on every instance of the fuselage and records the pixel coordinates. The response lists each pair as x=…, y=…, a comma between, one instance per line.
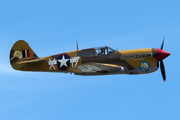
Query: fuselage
x=136, y=61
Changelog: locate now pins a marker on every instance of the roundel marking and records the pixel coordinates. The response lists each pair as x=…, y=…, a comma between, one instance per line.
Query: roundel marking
x=63, y=61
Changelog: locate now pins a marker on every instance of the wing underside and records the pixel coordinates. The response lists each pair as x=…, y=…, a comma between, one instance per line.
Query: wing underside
x=100, y=68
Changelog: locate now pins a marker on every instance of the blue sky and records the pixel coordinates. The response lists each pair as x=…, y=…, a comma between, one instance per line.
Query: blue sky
x=52, y=27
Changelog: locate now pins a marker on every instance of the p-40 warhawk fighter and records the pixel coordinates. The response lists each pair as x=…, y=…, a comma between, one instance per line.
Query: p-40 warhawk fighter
x=92, y=61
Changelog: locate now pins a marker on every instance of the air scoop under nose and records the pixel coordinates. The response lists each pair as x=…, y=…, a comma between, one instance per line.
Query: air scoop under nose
x=161, y=54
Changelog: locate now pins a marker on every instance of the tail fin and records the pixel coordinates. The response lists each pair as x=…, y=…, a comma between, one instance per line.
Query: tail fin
x=21, y=51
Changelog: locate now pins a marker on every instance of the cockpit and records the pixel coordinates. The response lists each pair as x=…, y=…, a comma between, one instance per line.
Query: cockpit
x=98, y=51
x=104, y=50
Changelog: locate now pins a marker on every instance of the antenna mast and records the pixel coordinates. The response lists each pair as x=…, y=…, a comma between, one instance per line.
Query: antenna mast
x=77, y=45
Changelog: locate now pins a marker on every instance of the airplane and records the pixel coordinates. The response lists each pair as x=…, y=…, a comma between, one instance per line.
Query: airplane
x=92, y=61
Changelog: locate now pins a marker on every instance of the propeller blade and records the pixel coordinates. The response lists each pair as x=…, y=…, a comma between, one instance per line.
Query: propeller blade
x=157, y=64
x=163, y=70
x=162, y=44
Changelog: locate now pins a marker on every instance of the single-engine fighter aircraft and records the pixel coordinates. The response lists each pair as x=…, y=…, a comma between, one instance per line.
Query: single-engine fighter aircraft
x=92, y=61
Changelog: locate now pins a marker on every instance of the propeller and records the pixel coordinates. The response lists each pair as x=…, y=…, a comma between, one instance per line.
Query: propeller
x=162, y=64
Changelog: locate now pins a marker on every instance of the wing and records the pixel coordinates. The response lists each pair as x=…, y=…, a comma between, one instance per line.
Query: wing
x=100, y=68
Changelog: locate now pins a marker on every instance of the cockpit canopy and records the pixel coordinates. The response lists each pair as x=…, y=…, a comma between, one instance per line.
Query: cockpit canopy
x=95, y=51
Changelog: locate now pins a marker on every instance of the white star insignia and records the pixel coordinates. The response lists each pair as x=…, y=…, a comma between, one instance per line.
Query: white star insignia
x=63, y=61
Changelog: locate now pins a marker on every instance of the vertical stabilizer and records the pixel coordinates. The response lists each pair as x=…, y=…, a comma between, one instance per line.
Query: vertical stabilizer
x=21, y=51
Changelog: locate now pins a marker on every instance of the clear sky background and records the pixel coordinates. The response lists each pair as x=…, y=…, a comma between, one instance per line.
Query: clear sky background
x=52, y=27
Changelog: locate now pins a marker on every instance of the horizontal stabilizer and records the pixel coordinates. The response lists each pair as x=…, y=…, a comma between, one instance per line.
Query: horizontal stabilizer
x=32, y=61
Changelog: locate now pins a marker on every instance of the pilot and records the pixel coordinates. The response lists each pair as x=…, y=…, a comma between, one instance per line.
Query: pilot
x=102, y=51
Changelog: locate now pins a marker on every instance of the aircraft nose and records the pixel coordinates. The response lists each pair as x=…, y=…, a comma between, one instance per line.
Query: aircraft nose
x=161, y=54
